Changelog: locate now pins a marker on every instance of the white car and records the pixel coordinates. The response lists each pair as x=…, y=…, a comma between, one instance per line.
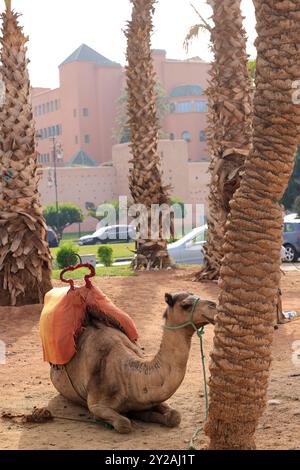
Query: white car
x=189, y=249
x=110, y=234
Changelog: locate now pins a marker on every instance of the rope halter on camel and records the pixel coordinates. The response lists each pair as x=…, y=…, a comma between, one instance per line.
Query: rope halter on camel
x=200, y=333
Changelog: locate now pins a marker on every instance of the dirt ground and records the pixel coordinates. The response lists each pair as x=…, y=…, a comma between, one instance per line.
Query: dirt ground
x=24, y=379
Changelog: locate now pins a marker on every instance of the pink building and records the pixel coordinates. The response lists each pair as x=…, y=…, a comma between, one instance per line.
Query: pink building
x=82, y=112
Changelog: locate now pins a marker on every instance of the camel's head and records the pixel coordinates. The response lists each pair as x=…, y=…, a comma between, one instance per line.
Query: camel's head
x=180, y=307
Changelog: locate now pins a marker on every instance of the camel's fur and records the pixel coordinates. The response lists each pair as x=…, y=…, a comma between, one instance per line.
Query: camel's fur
x=110, y=376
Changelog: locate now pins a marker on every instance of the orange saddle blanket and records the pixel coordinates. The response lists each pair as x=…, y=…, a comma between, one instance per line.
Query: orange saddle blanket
x=62, y=320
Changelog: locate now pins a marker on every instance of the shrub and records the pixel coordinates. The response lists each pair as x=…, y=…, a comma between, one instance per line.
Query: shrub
x=66, y=255
x=105, y=255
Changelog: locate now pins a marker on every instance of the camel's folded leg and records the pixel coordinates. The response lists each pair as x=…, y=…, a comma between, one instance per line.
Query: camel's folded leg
x=161, y=414
x=100, y=410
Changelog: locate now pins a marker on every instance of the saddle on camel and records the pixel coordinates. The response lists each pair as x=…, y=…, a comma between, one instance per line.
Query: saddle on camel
x=67, y=309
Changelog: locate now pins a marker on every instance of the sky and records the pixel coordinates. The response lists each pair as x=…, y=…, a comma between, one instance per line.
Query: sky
x=57, y=27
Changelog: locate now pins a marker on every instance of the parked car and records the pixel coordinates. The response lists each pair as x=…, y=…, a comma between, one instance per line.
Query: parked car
x=110, y=234
x=189, y=249
x=52, y=238
x=291, y=236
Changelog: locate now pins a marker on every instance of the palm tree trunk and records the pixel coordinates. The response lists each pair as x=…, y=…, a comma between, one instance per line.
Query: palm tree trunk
x=229, y=124
x=25, y=260
x=145, y=180
x=250, y=272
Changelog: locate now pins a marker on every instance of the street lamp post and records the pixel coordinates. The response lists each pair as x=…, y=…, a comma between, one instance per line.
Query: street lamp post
x=55, y=174
x=55, y=157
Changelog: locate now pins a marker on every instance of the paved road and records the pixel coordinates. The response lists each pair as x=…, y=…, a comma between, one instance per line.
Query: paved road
x=285, y=266
x=291, y=267
x=118, y=263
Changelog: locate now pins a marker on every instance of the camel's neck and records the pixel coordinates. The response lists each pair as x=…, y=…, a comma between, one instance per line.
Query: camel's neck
x=161, y=377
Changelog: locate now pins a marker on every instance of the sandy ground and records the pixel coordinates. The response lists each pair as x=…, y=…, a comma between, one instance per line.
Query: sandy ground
x=24, y=380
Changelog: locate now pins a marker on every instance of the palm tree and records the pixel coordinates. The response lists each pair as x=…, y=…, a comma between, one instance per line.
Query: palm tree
x=229, y=120
x=250, y=273
x=25, y=260
x=145, y=178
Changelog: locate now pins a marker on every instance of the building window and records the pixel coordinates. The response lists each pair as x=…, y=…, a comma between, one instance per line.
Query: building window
x=57, y=129
x=172, y=136
x=87, y=139
x=44, y=108
x=35, y=110
x=76, y=139
x=186, y=136
x=187, y=90
x=50, y=132
x=202, y=136
x=48, y=107
x=52, y=106
x=45, y=133
x=53, y=131
x=184, y=107
x=200, y=106
x=56, y=105
x=85, y=112
x=40, y=109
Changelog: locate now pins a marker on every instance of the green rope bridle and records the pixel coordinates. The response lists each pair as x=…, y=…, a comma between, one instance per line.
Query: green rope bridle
x=200, y=332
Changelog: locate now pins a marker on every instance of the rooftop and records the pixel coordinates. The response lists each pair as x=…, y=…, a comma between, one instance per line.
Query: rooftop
x=85, y=53
x=82, y=159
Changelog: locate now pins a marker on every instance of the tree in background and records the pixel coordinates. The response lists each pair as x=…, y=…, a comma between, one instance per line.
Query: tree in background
x=25, y=260
x=229, y=132
x=296, y=205
x=121, y=133
x=67, y=215
x=252, y=68
x=293, y=190
x=250, y=273
x=94, y=213
x=145, y=180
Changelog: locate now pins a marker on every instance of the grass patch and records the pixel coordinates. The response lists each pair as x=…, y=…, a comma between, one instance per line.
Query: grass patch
x=74, y=236
x=111, y=271
x=120, y=250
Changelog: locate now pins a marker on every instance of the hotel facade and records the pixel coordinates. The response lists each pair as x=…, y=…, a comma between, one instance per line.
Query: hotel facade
x=81, y=115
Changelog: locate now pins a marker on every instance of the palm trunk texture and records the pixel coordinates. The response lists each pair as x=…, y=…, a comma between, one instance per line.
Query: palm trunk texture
x=250, y=272
x=229, y=133
x=145, y=179
x=25, y=260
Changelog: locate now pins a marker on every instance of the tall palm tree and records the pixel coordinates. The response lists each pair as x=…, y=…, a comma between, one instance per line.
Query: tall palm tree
x=25, y=261
x=145, y=178
x=250, y=272
x=229, y=120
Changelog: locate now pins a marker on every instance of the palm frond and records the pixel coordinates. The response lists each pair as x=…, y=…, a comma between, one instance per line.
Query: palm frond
x=207, y=26
x=194, y=30
x=193, y=34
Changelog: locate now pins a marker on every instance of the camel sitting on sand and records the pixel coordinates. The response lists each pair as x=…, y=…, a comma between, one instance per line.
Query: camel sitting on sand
x=111, y=378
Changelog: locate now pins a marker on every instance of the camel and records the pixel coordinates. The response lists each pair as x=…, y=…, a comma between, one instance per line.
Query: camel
x=110, y=376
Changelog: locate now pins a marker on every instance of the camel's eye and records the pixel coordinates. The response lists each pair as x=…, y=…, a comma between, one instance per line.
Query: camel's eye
x=188, y=302
x=211, y=304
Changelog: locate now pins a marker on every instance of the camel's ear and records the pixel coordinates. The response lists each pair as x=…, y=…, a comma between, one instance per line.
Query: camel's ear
x=169, y=299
